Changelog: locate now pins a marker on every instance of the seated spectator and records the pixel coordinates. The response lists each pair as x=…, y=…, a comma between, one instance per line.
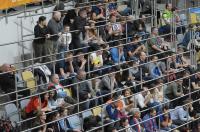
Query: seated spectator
x=96, y=57
x=154, y=69
x=188, y=36
x=175, y=90
x=80, y=62
x=82, y=90
x=135, y=121
x=40, y=120
x=128, y=100
x=153, y=102
x=114, y=28
x=142, y=99
x=55, y=81
x=134, y=71
x=143, y=67
x=195, y=86
x=108, y=84
x=55, y=125
x=149, y=120
x=90, y=37
x=7, y=80
x=99, y=11
x=117, y=53
x=156, y=44
x=165, y=119
x=134, y=48
x=56, y=102
x=62, y=123
x=65, y=67
x=124, y=125
x=198, y=58
x=53, y=101
x=141, y=27
x=37, y=103
x=180, y=114
x=92, y=122
x=111, y=109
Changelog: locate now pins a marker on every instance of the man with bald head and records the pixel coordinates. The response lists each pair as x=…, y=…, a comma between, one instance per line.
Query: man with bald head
x=7, y=81
x=55, y=27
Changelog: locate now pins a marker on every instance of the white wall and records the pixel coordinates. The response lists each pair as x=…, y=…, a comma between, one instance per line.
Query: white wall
x=10, y=32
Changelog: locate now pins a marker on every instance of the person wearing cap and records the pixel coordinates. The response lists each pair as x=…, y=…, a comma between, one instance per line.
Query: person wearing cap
x=40, y=44
x=180, y=114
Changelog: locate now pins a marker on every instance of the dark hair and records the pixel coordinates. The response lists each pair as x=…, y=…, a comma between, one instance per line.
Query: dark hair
x=152, y=29
x=152, y=110
x=42, y=97
x=123, y=120
x=41, y=19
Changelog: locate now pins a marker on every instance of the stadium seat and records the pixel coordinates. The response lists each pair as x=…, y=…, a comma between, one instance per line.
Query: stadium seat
x=74, y=122
x=23, y=103
x=97, y=111
x=68, y=91
x=86, y=114
x=12, y=113
x=29, y=79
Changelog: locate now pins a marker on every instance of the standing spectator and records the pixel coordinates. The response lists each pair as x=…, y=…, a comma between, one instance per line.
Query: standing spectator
x=166, y=19
x=80, y=24
x=40, y=45
x=64, y=42
x=150, y=124
x=55, y=27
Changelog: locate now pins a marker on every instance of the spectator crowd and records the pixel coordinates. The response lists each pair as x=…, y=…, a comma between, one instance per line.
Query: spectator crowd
x=101, y=57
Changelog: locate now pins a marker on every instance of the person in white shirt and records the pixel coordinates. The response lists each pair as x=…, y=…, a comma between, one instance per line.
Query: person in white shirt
x=142, y=98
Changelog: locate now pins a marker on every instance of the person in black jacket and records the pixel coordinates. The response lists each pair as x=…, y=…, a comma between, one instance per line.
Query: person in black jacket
x=41, y=33
x=80, y=23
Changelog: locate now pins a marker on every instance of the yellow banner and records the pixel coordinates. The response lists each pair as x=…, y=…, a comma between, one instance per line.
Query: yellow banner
x=5, y=4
